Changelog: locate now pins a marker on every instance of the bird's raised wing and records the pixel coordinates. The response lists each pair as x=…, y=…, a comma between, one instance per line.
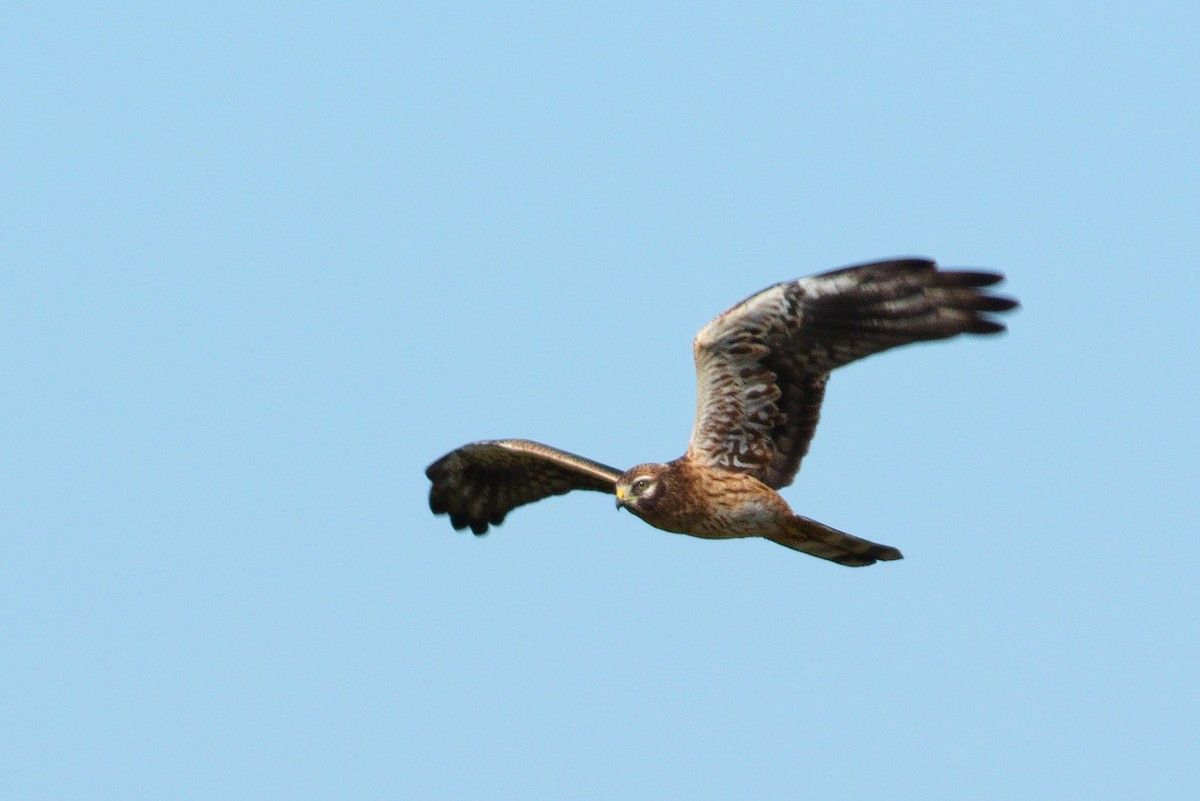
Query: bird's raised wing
x=478, y=484
x=761, y=367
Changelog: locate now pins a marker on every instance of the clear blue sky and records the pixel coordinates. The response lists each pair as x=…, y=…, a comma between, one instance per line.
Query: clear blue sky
x=261, y=263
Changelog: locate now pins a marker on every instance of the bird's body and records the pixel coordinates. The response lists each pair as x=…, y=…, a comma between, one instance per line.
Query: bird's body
x=761, y=369
x=725, y=505
x=712, y=504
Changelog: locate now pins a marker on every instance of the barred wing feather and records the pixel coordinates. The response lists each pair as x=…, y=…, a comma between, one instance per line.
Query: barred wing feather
x=762, y=366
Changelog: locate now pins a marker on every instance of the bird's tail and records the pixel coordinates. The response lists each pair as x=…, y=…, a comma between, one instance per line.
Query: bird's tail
x=809, y=536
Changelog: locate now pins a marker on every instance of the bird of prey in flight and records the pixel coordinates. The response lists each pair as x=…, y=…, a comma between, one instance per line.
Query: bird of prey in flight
x=761, y=370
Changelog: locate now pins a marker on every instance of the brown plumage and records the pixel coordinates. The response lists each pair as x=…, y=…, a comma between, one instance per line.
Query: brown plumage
x=761, y=371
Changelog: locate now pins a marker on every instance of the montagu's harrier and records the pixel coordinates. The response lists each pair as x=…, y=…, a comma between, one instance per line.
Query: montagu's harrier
x=761, y=368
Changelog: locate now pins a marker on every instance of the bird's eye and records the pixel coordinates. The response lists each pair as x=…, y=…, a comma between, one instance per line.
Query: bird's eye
x=641, y=484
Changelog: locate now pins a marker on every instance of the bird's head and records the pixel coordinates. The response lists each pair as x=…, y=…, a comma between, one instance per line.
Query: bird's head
x=640, y=488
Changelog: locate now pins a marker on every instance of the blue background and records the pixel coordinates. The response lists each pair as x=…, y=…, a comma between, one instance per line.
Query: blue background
x=261, y=263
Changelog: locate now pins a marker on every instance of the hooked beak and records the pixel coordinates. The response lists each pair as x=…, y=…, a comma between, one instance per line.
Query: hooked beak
x=620, y=497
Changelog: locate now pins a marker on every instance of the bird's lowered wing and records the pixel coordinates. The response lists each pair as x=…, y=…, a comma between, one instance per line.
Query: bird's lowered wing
x=478, y=484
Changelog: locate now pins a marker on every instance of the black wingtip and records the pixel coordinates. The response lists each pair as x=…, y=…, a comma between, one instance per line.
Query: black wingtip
x=994, y=303
x=985, y=326
x=886, y=553
x=972, y=278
